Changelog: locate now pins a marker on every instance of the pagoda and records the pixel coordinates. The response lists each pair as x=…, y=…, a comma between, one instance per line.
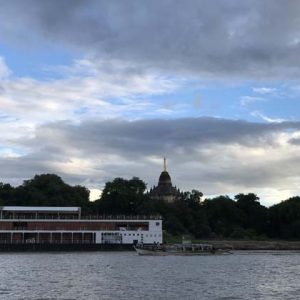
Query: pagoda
x=164, y=190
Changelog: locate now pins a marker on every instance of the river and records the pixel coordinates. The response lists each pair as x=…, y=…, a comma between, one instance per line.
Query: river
x=125, y=275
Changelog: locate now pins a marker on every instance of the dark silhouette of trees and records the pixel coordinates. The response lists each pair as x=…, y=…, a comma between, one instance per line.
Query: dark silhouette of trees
x=44, y=190
x=220, y=217
x=285, y=219
x=6, y=193
x=122, y=196
x=223, y=215
x=254, y=215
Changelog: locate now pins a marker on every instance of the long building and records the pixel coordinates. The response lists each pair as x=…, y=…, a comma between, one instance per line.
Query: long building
x=24, y=225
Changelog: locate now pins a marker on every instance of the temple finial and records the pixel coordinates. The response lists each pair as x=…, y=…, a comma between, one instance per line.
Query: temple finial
x=165, y=164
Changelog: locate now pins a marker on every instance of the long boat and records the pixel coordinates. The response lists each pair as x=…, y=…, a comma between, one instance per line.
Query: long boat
x=179, y=249
x=47, y=228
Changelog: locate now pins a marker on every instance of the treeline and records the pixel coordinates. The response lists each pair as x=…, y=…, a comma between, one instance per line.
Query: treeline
x=44, y=190
x=242, y=217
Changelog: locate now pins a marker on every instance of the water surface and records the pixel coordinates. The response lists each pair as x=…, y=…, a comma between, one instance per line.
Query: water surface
x=124, y=275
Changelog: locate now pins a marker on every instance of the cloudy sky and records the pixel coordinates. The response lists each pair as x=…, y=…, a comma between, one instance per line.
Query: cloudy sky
x=93, y=90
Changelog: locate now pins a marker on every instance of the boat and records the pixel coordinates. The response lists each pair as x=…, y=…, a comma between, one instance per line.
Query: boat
x=179, y=249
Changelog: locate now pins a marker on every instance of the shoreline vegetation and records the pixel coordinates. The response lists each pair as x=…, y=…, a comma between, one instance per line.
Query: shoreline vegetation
x=255, y=245
x=240, y=221
x=237, y=244
x=234, y=244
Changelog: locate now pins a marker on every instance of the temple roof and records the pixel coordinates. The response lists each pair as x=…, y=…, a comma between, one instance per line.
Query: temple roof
x=164, y=187
x=164, y=178
x=164, y=190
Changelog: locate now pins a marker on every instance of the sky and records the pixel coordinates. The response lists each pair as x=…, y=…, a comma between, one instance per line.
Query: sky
x=93, y=90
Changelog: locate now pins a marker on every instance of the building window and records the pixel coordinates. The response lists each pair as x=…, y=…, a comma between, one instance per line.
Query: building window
x=157, y=223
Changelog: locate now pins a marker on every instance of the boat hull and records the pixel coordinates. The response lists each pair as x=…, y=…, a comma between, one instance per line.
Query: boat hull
x=162, y=252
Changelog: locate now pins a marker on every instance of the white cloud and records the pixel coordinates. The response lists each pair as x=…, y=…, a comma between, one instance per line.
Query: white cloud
x=265, y=90
x=84, y=90
x=266, y=118
x=4, y=70
x=245, y=100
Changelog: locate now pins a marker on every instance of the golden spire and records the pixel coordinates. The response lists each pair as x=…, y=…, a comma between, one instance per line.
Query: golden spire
x=165, y=164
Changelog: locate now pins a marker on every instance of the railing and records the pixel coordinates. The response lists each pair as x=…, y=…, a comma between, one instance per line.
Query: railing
x=90, y=217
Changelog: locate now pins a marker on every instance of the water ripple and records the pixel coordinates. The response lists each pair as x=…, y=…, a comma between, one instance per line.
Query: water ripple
x=124, y=275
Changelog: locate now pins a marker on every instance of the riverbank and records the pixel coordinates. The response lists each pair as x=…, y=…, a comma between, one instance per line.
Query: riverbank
x=254, y=245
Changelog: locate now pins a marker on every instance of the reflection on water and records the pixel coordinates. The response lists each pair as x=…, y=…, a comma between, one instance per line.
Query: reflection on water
x=124, y=275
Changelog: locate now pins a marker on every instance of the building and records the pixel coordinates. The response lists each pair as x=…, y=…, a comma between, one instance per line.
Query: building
x=164, y=190
x=66, y=226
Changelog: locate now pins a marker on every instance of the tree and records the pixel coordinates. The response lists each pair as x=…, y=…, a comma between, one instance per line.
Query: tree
x=6, y=194
x=223, y=215
x=122, y=196
x=193, y=198
x=284, y=218
x=255, y=216
x=50, y=190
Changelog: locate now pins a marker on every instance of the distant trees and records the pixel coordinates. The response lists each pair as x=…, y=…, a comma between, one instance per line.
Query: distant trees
x=254, y=215
x=219, y=217
x=122, y=196
x=44, y=190
x=223, y=215
x=6, y=193
x=285, y=219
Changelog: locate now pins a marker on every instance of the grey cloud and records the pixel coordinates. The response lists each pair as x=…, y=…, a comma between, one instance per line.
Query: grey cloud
x=295, y=141
x=213, y=155
x=214, y=38
x=15, y=170
x=152, y=137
